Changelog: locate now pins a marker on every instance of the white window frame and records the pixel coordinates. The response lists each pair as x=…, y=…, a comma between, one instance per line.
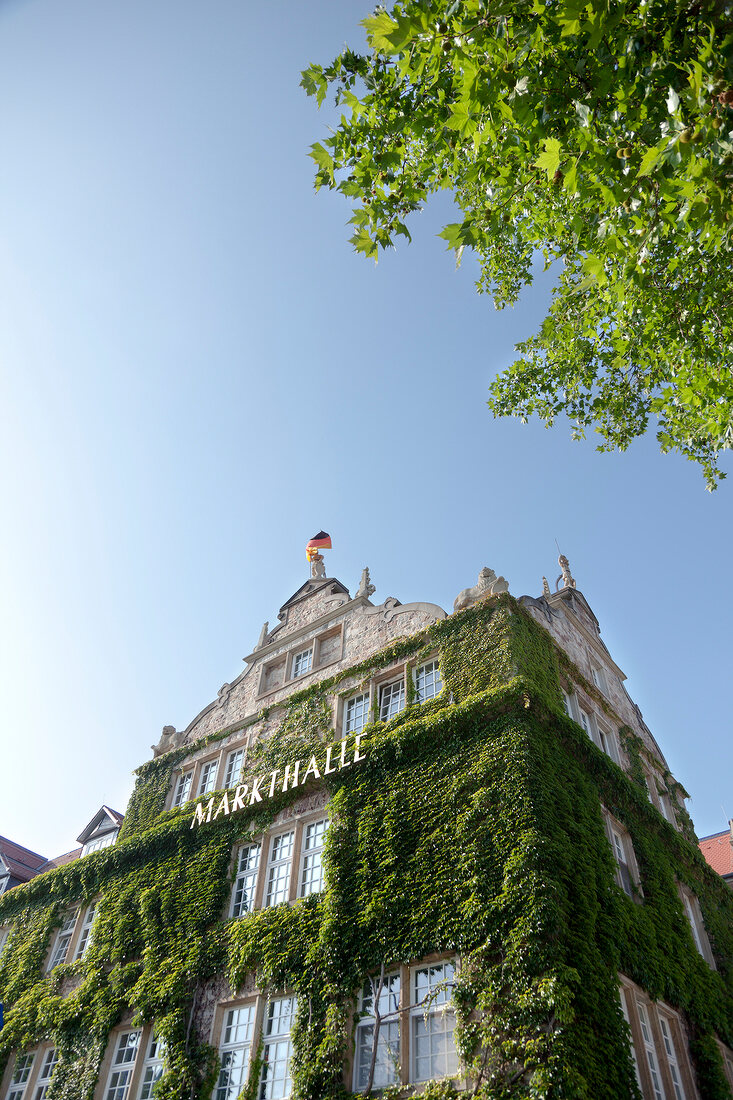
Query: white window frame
x=236, y=1037
x=277, y=1048
x=301, y=662
x=245, y=879
x=4, y=938
x=310, y=878
x=121, y=1070
x=632, y=1044
x=599, y=677
x=153, y=1067
x=426, y=1012
x=696, y=924
x=666, y=1028
x=106, y=840
x=650, y=1050
x=62, y=942
x=182, y=790
x=48, y=1060
x=85, y=931
x=277, y=885
x=230, y=778
x=357, y=713
x=386, y=714
x=387, y=1065
x=208, y=771
x=427, y=668
x=21, y=1076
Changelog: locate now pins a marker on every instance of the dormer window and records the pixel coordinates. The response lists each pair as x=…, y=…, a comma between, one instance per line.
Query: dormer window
x=101, y=831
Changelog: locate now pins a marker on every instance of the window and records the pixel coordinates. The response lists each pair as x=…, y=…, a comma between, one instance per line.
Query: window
x=697, y=928
x=428, y=683
x=233, y=773
x=234, y=1052
x=568, y=703
x=183, y=788
x=651, y=1054
x=666, y=807
x=586, y=722
x=4, y=937
x=356, y=713
x=387, y=1058
x=621, y=844
x=302, y=662
x=632, y=1048
x=99, y=842
x=669, y=1049
x=432, y=1023
x=275, y=1083
x=245, y=883
x=207, y=778
x=123, y=1063
x=152, y=1068
x=19, y=1080
x=391, y=699
x=599, y=678
x=311, y=874
x=607, y=742
x=278, y=869
x=48, y=1065
x=62, y=941
x=85, y=936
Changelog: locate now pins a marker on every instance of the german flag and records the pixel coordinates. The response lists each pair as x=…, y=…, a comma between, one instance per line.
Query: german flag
x=321, y=541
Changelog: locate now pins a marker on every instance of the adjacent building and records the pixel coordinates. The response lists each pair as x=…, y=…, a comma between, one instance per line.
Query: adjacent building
x=405, y=850
x=718, y=851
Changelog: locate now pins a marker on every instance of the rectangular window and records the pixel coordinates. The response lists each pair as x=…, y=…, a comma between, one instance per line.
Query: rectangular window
x=123, y=1064
x=207, y=779
x=599, y=679
x=62, y=941
x=695, y=922
x=233, y=773
x=278, y=869
x=48, y=1065
x=19, y=1080
x=651, y=1054
x=275, y=1083
x=674, y=1068
x=183, y=788
x=634, y=1059
x=153, y=1068
x=387, y=1056
x=85, y=936
x=311, y=874
x=568, y=703
x=391, y=699
x=245, y=883
x=432, y=1023
x=428, y=683
x=302, y=662
x=619, y=851
x=4, y=937
x=586, y=723
x=666, y=806
x=607, y=742
x=234, y=1052
x=356, y=713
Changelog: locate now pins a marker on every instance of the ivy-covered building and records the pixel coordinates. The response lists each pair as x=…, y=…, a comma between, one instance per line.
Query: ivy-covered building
x=404, y=852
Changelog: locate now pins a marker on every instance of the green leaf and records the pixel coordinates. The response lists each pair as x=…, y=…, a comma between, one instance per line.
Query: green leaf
x=550, y=159
x=673, y=101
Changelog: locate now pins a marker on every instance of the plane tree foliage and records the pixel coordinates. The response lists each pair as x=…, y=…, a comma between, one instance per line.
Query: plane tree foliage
x=597, y=134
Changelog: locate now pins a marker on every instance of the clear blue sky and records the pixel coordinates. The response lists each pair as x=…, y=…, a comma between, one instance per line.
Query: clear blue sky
x=198, y=374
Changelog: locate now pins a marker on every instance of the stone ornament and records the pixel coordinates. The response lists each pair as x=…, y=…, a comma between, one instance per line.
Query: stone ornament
x=366, y=588
x=488, y=584
x=565, y=576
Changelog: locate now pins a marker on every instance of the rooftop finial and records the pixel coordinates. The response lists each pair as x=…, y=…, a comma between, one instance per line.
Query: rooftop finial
x=565, y=576
x=545, y=587
x=366, y=588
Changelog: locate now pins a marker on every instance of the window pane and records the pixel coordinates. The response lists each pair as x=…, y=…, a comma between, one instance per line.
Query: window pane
x=428, y=683
x=245, y=884
x=387, y=1059
x=391, y=700
x=302, y=662
x=433, y=1023
x=311, y=878
x=207, y=781
x=357, y=713
x=235, y=1049
x=278, y=872
x=275, y=1083
x=234, y=768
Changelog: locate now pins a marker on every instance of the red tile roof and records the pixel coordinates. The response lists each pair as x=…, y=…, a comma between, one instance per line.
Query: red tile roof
x=718, y=851
x=22, y=863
